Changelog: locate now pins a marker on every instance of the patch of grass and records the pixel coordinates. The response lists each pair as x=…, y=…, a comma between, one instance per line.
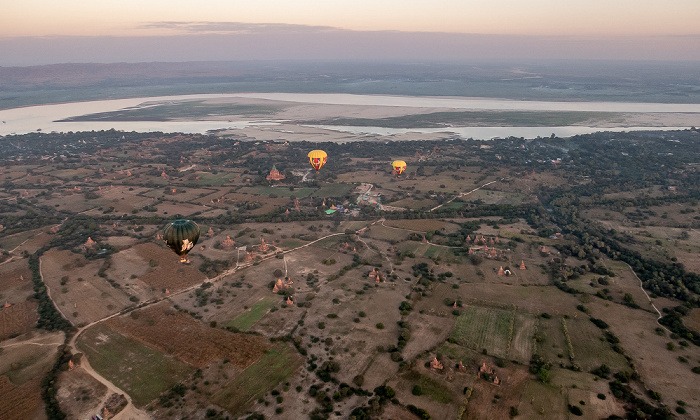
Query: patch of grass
x=247, y=319
x=273, y=367
x=456, y=352
x=209, y=179
x=280, y=192
x=291, y=243
x=334, y=190
x=431, y=251
x=142, y=372
x=435, y=390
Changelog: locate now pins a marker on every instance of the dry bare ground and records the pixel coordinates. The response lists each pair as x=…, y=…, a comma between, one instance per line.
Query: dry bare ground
x=79, y=394
x=692, y=321
x=481, y=405
x=427, y=332
x=81, y=301
x=660, y=369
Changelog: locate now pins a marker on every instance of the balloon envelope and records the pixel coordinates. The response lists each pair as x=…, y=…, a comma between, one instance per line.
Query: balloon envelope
x=399, y=166
x=317, y=158
x=181, y=236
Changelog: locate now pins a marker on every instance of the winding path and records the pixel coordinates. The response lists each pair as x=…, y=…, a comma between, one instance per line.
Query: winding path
x=641, y=286
x=464, y=193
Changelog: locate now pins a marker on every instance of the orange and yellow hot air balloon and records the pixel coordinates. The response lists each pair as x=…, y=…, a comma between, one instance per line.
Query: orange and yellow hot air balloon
x=317, y=158
x=399, y=166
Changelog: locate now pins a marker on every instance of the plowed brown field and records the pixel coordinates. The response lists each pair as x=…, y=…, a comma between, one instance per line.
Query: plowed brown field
x=20, y=402
x=169, y=273
x=17, y=319
x=14, y=275
x=189, y=340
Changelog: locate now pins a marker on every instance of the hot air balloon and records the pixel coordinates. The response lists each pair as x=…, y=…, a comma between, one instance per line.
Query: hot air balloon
x=399, y=166
x=181, y=236
x=317, y=158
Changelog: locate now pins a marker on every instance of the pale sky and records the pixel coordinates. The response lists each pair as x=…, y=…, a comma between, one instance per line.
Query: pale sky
x=533, y=17
x=55, y=31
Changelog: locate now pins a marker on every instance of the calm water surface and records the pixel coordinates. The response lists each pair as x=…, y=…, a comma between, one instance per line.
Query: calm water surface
x=45, y=117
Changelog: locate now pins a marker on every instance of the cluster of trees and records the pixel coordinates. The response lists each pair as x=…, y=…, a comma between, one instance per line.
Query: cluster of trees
x=49, y=317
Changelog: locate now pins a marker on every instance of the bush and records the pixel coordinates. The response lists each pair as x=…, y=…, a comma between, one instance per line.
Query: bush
x=358, y=380
x=575, y=410
x=380, y=326
x=513, y=411
x=417, y=390
x=601, y=396
x=599, y=323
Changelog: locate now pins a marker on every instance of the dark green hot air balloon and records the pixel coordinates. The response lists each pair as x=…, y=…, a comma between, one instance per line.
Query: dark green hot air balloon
x=181, y=236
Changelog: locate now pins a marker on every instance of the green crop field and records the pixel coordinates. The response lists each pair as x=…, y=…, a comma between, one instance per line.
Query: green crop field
x=139, y=370
x=209, y=179
x=334, y=190
x=273, y=367
x=280, y=192
x=247, y=319
x=484, y=328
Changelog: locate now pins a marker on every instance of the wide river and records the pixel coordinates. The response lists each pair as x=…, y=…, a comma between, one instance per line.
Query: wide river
x=46, y=117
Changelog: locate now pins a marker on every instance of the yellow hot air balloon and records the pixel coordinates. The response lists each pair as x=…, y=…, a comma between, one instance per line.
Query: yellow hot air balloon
x=317, y=158
x=399, y=166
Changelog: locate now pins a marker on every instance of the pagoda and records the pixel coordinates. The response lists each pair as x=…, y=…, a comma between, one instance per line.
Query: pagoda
x=228, y=243
x=275, y=175
x=89, y=244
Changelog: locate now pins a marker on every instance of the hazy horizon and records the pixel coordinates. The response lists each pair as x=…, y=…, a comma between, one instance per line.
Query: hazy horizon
x=38, y=32
x=320, y=44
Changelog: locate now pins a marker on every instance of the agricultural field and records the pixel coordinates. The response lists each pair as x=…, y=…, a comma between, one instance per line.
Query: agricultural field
x=188, y=340
x=276, y=365
x=484, y=328
x=142, y=372
x=247, y=319
x=21, y=402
